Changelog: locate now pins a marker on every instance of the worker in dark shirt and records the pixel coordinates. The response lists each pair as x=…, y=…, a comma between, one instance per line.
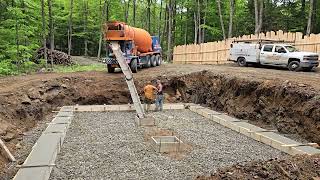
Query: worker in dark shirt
x=159, y=97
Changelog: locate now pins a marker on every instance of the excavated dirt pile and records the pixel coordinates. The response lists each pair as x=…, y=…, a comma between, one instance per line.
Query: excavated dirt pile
x=287, y=106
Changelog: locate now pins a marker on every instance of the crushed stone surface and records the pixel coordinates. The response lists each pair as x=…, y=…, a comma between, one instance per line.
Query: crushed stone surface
x=108, y=145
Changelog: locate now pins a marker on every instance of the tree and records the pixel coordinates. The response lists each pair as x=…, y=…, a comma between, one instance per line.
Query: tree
x=170, y=4
x=70, y=28
x=134, y=13
x=104, y=17
x=85, y=27
x=44, y=31
x=231, y=18
x=51, y=30
x=149, y=15
x=221, y=19
x=311, y=12
x=258, y=6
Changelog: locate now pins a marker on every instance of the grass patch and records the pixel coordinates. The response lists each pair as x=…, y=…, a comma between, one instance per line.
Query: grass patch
x=79, y=68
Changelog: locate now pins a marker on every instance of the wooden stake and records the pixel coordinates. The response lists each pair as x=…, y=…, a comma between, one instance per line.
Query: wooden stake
x=8, y=153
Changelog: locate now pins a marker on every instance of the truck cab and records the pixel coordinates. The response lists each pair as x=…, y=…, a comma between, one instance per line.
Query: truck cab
x=282, y=55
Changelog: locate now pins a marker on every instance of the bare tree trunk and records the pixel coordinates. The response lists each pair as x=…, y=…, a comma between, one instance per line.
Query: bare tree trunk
x=127, y=7
x=165, y=27
x=309, y=26
x=85, y=28
x=256, y=15
x=51, y=31
x=199, y=21
x=104, y=11
x=159, y=21
x=70, y=28
x=261, y=15
x=44, y=42
x=195, y=28
x=134, y=13
x=221, y=19
x=149, y=16
x=231, y=18
x=204, y=21
x=169, y=30
x=17, y=36
x=174, y=27
x=258, y=6
x=186, y=28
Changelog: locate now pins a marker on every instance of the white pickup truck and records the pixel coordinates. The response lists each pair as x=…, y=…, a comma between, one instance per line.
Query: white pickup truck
x=282, y=55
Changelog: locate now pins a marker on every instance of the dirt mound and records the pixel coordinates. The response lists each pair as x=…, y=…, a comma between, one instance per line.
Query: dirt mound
x=297, y=167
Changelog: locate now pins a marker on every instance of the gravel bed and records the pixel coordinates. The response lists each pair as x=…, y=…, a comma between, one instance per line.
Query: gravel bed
x=109, y=146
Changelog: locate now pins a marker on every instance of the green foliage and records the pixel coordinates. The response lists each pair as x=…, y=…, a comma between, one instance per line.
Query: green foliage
x=80, y=68
x=21, y=23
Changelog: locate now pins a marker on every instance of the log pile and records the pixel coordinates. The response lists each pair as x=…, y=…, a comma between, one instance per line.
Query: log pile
x=58, y=57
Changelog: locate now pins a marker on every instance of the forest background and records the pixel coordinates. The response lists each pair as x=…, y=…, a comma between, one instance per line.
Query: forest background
x=75, y=26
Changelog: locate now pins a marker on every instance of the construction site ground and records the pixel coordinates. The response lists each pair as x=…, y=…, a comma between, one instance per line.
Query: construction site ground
x=271, y=98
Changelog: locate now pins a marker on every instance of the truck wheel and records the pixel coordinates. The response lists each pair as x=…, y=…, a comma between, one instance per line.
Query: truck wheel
x=159, y=60
x=134, y=66
x=153, y=61
x=148, y=63
x=242, y=62
x=294, y=66
x=110, y=68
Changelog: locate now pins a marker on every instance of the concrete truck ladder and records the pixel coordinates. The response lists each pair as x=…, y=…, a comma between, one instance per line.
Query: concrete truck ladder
x=129, y=78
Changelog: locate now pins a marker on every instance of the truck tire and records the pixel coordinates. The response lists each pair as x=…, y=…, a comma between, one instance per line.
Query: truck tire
x=159, y=60
x=294, y=66
x=134, y=66
x=148, y=63
x=242, y=62
x=110, y=68
x=153, y=61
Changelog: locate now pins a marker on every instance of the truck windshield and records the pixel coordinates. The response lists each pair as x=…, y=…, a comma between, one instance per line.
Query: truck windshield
x=291, y=49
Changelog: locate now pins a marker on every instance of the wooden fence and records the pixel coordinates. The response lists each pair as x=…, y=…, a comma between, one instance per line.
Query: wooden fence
x=218, y=52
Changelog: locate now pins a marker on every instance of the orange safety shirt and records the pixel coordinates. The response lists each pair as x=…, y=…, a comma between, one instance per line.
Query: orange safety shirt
x=149, y=92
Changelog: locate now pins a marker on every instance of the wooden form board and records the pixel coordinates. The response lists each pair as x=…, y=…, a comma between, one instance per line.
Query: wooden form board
x=218, y=52
x=270, y=138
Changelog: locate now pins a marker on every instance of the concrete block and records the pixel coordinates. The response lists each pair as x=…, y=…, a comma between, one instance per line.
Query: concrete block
x=56, y=128
x=173, y=106
x=64, y=114
x=67, y=108
x=166, y=143
x=61, y=120
x=34, y=173
x=45, y=150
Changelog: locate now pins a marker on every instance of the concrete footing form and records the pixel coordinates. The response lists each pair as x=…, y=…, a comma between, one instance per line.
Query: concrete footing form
x=166, y=143
x=41, y=160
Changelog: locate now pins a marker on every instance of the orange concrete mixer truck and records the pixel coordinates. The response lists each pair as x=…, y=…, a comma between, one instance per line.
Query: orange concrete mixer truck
x=139, y=49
